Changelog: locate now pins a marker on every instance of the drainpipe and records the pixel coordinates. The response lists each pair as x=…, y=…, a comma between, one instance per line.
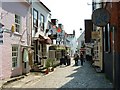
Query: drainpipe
x=113, y=35
x=31, y=20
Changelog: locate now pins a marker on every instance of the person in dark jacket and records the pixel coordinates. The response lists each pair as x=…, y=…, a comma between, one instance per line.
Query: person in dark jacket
x=62, y=60
x=81, y=58
x=68, y=59
x=76, y=58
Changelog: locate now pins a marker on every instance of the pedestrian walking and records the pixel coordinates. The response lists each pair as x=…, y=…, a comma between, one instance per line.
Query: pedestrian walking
x=65, y=58
x=76, y=58
x=68, y=59
x=62, y=60
x=81, y=58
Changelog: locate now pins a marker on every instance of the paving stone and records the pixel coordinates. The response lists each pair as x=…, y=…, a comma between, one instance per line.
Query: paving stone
x=68, y=77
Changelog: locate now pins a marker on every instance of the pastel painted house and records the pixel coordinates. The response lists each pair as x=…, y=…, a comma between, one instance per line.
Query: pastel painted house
x=40, y=24
x=14, y=59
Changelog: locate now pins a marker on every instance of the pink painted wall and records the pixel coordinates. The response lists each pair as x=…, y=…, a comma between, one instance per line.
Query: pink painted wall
x=8, y=19
x=1, y=46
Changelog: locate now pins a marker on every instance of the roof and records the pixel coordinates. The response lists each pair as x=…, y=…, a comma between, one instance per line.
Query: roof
x=45, y=6
x=1, y=25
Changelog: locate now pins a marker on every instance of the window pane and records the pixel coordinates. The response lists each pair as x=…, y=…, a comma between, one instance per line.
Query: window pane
x=35, y=19
x=14, y=56
x=42, y=22
x=14, y=48
x=35, y=22
x=17, y=28
x=42, y=18
x=35, y=14
x=17, y=21
x=13, y=62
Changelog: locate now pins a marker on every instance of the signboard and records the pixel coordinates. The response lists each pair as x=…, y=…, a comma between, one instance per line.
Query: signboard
x=88, y=30
x=82, y=49
x=95, y=35
x=100, y=17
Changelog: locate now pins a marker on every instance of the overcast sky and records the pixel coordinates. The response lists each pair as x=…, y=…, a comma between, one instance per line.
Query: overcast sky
x=71, y=13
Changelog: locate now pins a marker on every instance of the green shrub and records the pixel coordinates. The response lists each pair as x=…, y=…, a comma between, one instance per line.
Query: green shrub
x=47, y=65
x=50, y=62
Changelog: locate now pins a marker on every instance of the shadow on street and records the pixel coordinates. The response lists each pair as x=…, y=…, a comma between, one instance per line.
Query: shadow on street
x=86, y=77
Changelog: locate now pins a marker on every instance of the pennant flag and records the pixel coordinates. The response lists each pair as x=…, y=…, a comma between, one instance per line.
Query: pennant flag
x=58, y=30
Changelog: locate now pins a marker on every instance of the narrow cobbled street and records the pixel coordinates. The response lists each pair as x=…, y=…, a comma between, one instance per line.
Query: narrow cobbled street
x=67, y=77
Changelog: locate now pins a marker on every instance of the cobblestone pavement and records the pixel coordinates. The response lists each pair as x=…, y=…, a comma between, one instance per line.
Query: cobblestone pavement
x=67, y=77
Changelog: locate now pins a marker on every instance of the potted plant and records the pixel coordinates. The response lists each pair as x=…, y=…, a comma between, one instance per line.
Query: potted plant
x=52, y=64
x=47, y=66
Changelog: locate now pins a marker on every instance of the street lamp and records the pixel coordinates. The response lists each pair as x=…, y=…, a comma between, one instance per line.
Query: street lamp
x=80, y=30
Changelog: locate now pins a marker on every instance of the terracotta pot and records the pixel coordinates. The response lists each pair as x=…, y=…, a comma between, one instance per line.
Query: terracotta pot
x=52, y=69
x=47, y=71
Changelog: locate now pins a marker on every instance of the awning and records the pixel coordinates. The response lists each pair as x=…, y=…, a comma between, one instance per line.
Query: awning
x=43, y=39
x=82, y=49
x=57, y=47
x=26, y=46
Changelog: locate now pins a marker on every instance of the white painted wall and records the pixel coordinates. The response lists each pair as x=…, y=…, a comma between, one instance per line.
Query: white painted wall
x=73, y=44
x=43, y=11
x=80, y=38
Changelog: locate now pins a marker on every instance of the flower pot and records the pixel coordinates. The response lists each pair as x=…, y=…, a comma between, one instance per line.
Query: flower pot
x=52, y=69
x=47, y=71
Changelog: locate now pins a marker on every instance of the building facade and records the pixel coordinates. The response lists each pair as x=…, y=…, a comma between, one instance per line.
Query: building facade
x=71, y=42
x=14, y=48
x=81, y=42
x=97, y=36
x=112, y=43
x=40, y=25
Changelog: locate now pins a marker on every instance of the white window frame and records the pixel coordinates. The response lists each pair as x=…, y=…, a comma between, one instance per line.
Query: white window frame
x=15, y=56
x=18, y=23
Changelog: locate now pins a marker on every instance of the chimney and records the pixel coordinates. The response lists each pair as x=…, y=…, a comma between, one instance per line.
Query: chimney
x=74, y=32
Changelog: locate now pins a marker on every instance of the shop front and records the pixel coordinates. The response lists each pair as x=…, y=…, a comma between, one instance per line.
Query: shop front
x=56, y=52
x=41, y=45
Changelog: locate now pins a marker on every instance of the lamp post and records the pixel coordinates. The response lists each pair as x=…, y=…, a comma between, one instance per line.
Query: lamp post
x=80, y=30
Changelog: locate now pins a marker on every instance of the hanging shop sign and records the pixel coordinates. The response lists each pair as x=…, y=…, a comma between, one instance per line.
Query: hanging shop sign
x=1, y=36
x=95, y=34
x=100, y=17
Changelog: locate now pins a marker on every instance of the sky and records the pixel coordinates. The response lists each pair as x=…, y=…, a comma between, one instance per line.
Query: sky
x=70, y=13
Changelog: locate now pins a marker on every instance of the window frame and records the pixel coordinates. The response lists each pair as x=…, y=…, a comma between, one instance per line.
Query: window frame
x=16, y=52
x=17, y=23
x=35, y=25
x=42, y=20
